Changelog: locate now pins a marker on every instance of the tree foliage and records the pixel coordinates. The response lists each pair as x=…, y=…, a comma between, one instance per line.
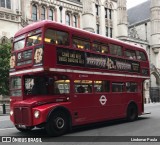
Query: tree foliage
x=4, y=68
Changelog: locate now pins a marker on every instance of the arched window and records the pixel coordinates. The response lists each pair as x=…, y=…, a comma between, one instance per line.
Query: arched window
x=4, y=40
x=97, y=10
x=74, y=21
x=67, y=19
x=34, y=12
x=42, y=13
x=50, y=14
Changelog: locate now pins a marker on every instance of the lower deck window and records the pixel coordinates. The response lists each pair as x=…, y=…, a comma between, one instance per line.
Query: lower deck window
x=131, y=87
x=102, y=86
x=83, y=86
x=117, y=87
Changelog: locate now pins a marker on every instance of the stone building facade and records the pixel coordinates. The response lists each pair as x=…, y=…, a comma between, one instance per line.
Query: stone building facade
x=106, y=17
x=144, y=24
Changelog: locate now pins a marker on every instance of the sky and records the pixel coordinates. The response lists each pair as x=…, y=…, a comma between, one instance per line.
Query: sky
x=132, y=3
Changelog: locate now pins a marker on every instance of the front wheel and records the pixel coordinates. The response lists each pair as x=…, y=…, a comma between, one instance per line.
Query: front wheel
x=57, y=124
x=132, y=112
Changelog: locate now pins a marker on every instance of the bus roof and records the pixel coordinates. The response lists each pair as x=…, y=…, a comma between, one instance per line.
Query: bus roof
x=40, y=24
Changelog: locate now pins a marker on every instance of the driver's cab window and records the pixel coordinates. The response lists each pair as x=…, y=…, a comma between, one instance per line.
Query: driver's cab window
x=44, y=85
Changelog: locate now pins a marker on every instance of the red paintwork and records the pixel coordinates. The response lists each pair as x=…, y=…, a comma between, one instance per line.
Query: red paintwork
x=87, y=106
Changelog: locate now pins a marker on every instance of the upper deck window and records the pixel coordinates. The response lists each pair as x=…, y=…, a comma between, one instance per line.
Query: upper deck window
x=115, y=49
x=19, y=42
x=102, y=48
x=56, y=37
x=34, y=38
x=141, y=55
x=130, y=54
x=81, y=44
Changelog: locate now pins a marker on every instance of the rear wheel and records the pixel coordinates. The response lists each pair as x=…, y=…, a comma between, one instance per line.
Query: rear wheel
x=132, y=112
x=57, y=124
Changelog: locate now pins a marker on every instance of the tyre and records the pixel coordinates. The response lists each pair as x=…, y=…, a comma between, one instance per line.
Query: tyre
x=24, y=129
x=132, y=112
x=57, y=124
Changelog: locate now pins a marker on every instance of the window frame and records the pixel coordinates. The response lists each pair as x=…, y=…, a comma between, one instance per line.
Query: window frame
x=83, y=86
x=75, y=21
x=131, y=91
x=43, y=13
x=68, y=19
x=131, y=57
x=119, y=84
x=140, y=57
x=56, y=40
x=34, y=14
x=85, y=41
x=116, y=47
x=51, y=14
x=6, y=4
x=102, y=86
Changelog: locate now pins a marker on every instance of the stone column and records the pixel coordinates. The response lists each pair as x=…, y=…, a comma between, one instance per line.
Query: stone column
x=155, y=30
x=88, y=16
x=122, y=20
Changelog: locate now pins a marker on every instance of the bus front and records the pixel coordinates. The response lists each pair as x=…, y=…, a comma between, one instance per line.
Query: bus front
x=34, y=91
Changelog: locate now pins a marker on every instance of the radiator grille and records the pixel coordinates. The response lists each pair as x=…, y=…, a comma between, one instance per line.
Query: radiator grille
x=22, y=116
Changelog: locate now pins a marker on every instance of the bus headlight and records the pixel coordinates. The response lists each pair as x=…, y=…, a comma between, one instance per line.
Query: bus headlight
x=36, y=114
x=11, y=112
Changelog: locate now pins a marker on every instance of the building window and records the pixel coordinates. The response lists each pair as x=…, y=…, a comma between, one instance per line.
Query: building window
x=5, y=4
x=97, y=13
x=74, y=21
x=110, y=14
x=67, y=19
x=42, y=13
x=97, y=29
x=111, y=33
x=50, y=14
x=60, y=8
x=106, y=13
x=107, y=31
x=34, y=13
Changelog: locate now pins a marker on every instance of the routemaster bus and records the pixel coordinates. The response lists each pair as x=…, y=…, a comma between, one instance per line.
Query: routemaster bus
x=61, y=77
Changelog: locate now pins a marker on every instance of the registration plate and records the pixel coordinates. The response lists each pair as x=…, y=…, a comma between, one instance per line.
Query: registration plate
x=21, y=126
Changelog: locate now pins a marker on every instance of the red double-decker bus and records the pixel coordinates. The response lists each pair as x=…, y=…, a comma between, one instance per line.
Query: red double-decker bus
x=62, y=77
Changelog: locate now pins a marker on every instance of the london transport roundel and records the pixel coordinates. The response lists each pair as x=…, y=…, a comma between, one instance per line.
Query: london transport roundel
x=103, y=100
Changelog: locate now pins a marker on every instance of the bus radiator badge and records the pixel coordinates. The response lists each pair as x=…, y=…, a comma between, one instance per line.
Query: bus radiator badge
x=103, y=100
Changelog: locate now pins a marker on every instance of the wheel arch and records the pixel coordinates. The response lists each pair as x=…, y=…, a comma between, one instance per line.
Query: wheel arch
x=132, y=102
x=61, y=109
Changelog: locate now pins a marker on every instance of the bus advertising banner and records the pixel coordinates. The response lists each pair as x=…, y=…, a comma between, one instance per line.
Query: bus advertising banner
x=86, y=59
